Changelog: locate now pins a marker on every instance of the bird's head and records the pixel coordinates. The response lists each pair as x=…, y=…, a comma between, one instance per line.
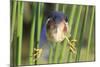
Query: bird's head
x=57, y=27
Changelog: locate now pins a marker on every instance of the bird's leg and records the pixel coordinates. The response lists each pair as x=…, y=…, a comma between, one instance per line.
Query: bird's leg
x=72, y=45
x=36, y=53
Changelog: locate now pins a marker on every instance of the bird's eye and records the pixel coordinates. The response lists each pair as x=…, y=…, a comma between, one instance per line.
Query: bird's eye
x=66, y=19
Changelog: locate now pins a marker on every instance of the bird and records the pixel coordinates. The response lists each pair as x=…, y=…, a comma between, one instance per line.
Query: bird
x=54, y=30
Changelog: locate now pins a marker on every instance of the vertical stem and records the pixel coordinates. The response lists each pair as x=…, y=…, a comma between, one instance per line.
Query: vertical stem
x=50, y=55
x=56, y=44
x=32, y=34
x=65, y=42
x=19, y=31
x=64, y=8
x=90, y=33
x=57, y=7
x=76, y=28
x=39, y=20
x=13, y=18
x=39, y=24
x=72, y=15
x=81, y=34
x=12, y=33
x=56, y=52
x=77, y=23
x=68, y=57
x=62, y=51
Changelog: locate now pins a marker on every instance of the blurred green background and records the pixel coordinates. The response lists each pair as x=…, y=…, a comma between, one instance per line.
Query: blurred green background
x=26, y=24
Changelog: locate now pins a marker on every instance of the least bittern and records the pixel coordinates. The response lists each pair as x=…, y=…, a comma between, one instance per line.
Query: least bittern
x=55, y=29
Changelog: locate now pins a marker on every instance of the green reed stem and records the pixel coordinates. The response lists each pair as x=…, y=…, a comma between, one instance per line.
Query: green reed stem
x=65, y=42
x=81, y=34
x=56, y=45
x=39, y=24
x=20, y=31
x=57, y=7
x=90, y=33
x=76, y=27
x=77, y=23
x=64, y=8
x=39, y=20
x=13, y=18
x=62, y=51
x=56, y=52
x=32, y=34
x=50, y=55
x=13, y=34
x=72, y=15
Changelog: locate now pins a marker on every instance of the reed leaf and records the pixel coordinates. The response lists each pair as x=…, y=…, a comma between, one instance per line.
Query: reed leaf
x=71, y=18
x=13, y=34
x=56, y=45
x=65, y=42
x=56, y=53
x=76, y=28
x=50, y=55
x=64, y=8
x=32, y=34
x=57, y=7
x=81, y=34
x=13, y=19
x=90, y=33
x=77, y=23
x=72, y=15
x=39, y=22
x=20, y=31
x=39, y=25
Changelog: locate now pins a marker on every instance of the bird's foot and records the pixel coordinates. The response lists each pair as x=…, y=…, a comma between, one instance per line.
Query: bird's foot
x=36, y=53
x=72, y=46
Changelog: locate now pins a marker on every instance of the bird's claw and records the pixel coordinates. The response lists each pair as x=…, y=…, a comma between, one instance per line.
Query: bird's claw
x=73, y=41
x=36, y=53
x=72, y=46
